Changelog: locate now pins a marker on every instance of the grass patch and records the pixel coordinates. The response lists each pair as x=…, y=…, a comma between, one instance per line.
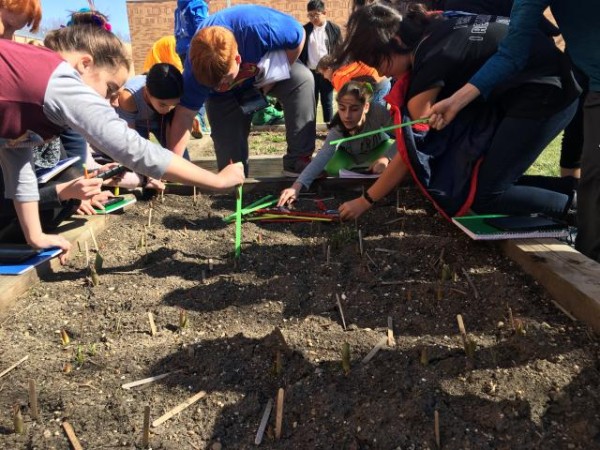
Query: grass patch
x=548, y=163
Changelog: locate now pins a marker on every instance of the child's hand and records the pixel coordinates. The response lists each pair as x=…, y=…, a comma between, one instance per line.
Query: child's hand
x=379, y=165
x=287, y=196
x=153, y=183
x=43, y=240
x=232, y=175
x=354, y=208
x=81, y=188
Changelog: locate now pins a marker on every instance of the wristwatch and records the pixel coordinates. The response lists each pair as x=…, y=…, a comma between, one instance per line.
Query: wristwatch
x=368, y=198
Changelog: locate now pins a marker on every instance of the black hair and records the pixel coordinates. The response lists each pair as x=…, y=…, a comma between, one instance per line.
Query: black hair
x=362, y=91
x=327, y=62
x=376, y=32
x=315, y=5
x=164, y=81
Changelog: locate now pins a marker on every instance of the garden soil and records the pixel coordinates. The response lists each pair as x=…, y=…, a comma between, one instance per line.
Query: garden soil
x=240, y=330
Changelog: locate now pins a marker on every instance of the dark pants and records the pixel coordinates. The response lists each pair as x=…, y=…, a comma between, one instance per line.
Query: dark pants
x=588, y=193
x=324, y=91
x=515, y=146
x=230, y=126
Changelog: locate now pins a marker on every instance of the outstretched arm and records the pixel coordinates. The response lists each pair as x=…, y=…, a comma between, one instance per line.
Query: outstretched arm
x=511, y=57
x=179, y=130
x=393, y=174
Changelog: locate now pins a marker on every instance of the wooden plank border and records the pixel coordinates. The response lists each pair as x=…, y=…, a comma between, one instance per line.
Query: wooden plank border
x=572, y=279
x=75, y=230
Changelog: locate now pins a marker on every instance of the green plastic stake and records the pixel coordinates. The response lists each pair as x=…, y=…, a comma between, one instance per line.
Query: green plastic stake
x=238, y=222
x=370, y=133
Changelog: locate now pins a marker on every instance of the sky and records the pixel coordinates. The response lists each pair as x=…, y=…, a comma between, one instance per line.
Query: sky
x=55, y=12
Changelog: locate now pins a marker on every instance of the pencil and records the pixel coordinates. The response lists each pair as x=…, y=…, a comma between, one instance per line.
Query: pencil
x=116, y=191
x=85, y=172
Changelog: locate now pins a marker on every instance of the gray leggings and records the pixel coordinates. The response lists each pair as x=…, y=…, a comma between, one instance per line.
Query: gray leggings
x=230, y=126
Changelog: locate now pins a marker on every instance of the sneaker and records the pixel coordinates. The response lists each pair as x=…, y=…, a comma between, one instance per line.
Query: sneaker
x=293, y=168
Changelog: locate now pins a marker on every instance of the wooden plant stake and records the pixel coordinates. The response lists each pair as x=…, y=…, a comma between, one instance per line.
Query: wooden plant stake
x=93, y=236
x=18, y=363
x=390, y=332
x=18, y=420
x=210, y=264
x=263, y=422
x=203, y=276
x=146, y=380
x=462, y=330
x=339, y=305
x=375, y=349
x=152, y=324
x=87, y=254
x=190, y=401
x=436, y=425
x=146, y=429
x=511, y=318
x=150, y=216
x=162, y=195
x=194, y=198
x=279, y=413
x=70, y=432
x=34, y=410
x=470, y=281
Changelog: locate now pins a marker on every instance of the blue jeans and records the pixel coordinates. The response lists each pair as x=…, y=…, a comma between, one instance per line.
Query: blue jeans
x=515, y=146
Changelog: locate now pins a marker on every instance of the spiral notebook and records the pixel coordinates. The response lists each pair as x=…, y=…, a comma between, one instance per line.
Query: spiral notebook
x=44, y=175
x=492, y=227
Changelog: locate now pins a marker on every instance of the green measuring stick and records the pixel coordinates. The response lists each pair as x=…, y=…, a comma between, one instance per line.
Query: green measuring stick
x=238, y=222
x=258, y=202
x=370, y=133
x=251, y=208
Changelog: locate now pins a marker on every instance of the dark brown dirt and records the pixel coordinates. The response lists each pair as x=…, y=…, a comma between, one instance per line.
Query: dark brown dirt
x=534, y=388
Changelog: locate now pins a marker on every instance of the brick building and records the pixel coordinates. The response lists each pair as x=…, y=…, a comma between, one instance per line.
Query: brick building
x=152, y=19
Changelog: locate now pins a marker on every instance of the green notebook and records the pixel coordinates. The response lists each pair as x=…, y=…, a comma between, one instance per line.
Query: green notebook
x=499, y=226
x=112, y=207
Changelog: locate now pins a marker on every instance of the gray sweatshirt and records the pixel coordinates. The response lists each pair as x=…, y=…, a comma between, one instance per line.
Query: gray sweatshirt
x=70, y=103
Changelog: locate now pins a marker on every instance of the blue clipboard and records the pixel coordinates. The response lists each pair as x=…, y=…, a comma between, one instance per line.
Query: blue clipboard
x=25, y=266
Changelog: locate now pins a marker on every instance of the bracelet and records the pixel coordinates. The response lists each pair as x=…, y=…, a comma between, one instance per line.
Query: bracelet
x=368, y=198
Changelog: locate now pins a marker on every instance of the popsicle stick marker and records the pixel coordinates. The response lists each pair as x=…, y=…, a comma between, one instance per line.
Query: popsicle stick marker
x=34, y=410
x=263, y=422
x=190, y=401
x=70, y=432
x=146, y=380
x=375, y=349
x=152, y=324
x=461, y=329
x=390, y=332
x=146, y=429
x=15, y=365
x=279, y=413
x=339, y=305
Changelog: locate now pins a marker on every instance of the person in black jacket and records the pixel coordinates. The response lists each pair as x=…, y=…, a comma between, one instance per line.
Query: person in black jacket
x=322, y=37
